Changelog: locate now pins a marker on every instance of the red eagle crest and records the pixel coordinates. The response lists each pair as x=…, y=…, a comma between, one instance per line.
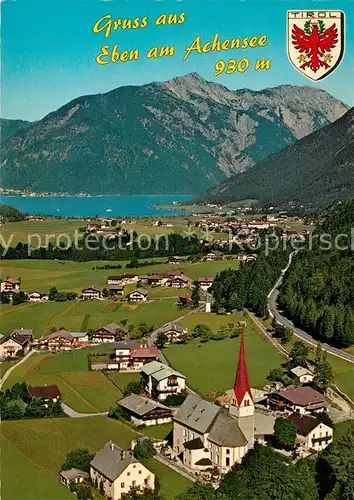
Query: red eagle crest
x=313, y=42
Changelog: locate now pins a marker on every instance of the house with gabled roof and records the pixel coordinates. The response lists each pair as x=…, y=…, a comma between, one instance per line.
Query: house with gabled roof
x=145, y=411
x=303, y=400
x=173, y=333
x=91, y=293
x=10, y=285
x=118, y=472
x=138, y=295
x=205, y=282
x=311, y=432
x=11, y=346
x=109, y=333
x=160, y=380
x=62, y=340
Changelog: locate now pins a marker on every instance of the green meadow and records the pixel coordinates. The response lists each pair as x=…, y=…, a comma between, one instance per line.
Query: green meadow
x=35, y=449
x=71, y=276
x=211, y=366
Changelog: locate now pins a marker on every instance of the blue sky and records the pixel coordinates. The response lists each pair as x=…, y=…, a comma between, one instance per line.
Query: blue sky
x=49, y=49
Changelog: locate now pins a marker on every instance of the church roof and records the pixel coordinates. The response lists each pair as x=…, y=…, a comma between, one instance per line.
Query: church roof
x=242, y=386
x=196, y=413
x=226, y=432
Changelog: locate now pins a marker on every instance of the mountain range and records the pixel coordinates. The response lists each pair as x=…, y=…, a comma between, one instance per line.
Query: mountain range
x=315, y=171
x=180, y=136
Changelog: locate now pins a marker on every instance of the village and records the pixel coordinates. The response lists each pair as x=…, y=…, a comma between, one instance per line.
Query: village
x=208, y=436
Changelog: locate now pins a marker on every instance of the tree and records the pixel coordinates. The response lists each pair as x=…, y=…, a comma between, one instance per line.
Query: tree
x=105, y=293
x=299, y=354
x=323, y=374
x=132, y=388
x=82, y=491
x=53, y=292
x=276, y=375
x=161, y=340
x=78, y=459
x=201, y=330
x=198, y=491
x=284, y=433
x=340, y=457
x=144, y=449
x=118, y=413
x=195, y=297
x=147, y=494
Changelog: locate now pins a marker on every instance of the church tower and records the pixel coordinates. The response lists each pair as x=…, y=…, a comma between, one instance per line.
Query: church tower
x=242, y=406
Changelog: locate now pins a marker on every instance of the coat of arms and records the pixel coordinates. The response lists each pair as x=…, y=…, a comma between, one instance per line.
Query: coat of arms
x=315, y=41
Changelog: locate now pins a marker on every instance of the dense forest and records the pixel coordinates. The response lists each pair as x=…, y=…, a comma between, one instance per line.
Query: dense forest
x=249, y=285
x=10, y=214
x=318, y=289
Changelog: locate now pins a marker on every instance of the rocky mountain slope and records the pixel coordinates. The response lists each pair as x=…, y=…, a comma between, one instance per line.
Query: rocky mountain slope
x=180, y=136
x=314, y=171
x=11, y=127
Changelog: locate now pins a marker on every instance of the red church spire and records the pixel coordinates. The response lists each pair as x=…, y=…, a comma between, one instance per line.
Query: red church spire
x=242, y=385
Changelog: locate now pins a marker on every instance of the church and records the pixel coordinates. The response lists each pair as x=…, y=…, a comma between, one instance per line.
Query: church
x=206, y=435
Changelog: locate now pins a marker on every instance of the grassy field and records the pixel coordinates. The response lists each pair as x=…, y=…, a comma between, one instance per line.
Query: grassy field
x=40, y=232
x=211, y=366
x=343, y=427
x=43, y=445
x=84, y=391
x=72, y=276
x=81, y=315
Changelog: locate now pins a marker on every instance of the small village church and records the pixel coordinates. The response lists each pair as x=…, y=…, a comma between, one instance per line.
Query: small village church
x=206, y=435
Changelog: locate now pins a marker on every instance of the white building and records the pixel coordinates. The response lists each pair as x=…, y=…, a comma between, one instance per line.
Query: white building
x=304, y=375
x=160, y=380
x=311, y=433
x=119, y=472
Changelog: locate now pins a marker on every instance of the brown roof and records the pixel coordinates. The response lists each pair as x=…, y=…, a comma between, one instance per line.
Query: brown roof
x=209, y=279
x=302, y=396
x=194, y=444
x=304, y=424
x=45, y=392
x=22, y=331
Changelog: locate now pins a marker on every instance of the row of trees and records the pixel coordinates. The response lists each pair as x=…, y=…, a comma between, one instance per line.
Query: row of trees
x=318, y=289
x=249, y=285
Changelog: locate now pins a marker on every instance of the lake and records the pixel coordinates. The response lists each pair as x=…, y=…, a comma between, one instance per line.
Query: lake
x=101, y=206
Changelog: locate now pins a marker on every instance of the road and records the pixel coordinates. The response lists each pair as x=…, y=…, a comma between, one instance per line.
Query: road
x=74, y=414
x=275, y=313
x=12, y=368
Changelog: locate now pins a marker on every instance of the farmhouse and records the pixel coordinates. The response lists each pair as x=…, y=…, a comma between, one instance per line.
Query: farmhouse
x=10, y=285
x=311, y=433
x=10, y=346
x=180, y=281
x=160, y=381
x=119, y=472
x=114, y=280
x=303, y=400
x=91, y=293
x=206, y=435
x=153, y=280
x=173, y=333
x=205, y=282
x=45, y=392
x=37, y=297
x=131, y=356
x=215, y=255
x=175, y=260
x=24, y=332
x=67, y=477
x=304, y=375
x=145, y=411
x=138, y=295
x=62, y=340
x=117, y=290
x=109, y=333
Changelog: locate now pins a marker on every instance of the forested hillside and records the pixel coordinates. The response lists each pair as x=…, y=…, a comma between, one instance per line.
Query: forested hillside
x=318, y=289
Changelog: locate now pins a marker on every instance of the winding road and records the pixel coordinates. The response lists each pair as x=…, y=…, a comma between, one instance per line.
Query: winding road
x=277, y=314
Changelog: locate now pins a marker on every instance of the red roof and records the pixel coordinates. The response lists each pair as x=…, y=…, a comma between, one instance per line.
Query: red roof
x=302, y=396
x=206, y=278
x=242, y=386
x=144, y=352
